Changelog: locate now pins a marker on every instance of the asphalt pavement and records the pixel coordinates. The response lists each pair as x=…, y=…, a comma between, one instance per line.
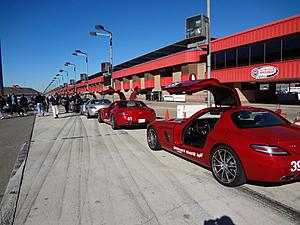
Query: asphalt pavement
x=81, y=172
x=13, y=133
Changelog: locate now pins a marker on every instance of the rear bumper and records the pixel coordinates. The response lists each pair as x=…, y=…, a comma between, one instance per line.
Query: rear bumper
x=274, y=168
x=130, y=121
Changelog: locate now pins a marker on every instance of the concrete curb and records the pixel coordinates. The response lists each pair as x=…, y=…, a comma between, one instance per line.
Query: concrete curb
x=9, y=202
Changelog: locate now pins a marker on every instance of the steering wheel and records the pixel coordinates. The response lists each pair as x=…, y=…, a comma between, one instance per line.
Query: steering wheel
x=202, y=128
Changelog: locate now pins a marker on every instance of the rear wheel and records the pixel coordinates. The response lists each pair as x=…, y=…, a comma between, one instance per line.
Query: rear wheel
x=152, y=139
x=227, y=167
x=114, y=124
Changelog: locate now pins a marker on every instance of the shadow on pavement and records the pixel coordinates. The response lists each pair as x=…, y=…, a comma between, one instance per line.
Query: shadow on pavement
x=224, y=220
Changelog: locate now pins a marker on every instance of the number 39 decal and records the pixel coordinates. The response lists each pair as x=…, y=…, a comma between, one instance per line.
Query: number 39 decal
x=295, y=166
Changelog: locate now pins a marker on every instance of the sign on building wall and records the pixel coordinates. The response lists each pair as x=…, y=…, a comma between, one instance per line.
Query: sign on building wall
x=264, y=72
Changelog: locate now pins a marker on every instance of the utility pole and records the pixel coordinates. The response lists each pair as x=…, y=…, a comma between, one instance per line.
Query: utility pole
x=208, y=66
x=1, y=74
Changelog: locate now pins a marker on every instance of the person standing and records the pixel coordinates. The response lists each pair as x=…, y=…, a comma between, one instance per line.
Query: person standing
x=23, y=104
x=55, y=102
x=13, y=104
x=2, y=104
x=77, y=101
x=39, y=101
x=66, y=102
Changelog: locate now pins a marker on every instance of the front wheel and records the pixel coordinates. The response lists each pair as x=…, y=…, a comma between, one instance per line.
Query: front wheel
x=227, y=167
x=114, y=124
x=152, y=139
x=100, y=119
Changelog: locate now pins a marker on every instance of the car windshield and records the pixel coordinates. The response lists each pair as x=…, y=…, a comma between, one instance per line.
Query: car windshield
x=253, y=119
x=131, y=104
x=100, y=102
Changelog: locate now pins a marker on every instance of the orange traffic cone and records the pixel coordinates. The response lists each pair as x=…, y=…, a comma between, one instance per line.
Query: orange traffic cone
x=278, y=109
x=167, y=115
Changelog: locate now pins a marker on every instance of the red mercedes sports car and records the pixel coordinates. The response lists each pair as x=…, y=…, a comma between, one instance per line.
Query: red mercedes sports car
x=237, y=143
x=126, y=113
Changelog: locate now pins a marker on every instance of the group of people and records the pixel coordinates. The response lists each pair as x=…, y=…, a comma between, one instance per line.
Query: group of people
x=14, y=105
x=65, y=101
x=41, y=103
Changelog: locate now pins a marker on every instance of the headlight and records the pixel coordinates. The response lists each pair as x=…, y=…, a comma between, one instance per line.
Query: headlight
x=93, y=107
x=271, y=150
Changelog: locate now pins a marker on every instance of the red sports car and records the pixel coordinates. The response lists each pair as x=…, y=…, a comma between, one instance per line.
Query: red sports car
x=126, y=113
x=237, y=143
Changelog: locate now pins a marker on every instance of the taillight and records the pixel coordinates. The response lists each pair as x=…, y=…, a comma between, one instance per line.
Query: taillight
x=271, y=150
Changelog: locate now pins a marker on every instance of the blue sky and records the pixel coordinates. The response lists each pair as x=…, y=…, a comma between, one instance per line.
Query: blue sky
x=39, y=36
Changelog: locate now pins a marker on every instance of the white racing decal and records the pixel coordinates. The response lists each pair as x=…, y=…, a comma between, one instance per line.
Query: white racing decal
x=295, y=166
x=180, y=150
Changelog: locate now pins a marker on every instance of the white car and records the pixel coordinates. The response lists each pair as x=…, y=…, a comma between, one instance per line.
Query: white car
x=93, y=105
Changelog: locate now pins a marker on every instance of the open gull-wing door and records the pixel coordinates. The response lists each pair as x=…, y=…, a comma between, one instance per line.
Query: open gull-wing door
x=223, y=95
x=111, y=91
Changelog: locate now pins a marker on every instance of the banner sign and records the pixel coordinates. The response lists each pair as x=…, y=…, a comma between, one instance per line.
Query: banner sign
x=264, y=72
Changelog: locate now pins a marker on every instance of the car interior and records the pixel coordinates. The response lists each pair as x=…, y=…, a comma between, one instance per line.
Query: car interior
x=196, y=132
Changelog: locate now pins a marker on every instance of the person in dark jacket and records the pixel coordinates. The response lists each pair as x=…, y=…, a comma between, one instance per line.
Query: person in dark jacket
x=2, y=104
x=55, y=102
x=77, y=101
x=39, y=101
x=23, y=105
x=13, y=104
x=66, y=102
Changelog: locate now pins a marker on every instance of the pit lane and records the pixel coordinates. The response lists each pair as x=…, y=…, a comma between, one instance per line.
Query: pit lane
x=81, y=172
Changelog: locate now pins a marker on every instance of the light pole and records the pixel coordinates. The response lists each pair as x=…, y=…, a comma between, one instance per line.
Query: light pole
x=108, y=34
x=80, y=53
x=74, y=67
x=67, y=79
x=62, y=79
x=208, y=50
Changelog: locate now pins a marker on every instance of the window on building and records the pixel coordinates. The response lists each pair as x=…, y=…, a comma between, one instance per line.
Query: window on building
x=273, y=50
x=291, y=47
x=231, y=58
x=257, y=53
x=213, y=61
x=220, y=60
x=243, y=56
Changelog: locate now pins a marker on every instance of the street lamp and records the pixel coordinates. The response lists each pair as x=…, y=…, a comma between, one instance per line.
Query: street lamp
x=74, y=66
x=108, y=34
x=62, y=79
x=80, y=53
x=67, y=79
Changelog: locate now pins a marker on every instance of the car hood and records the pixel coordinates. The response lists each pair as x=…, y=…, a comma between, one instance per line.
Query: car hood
x=223, y=95
x=287, y=137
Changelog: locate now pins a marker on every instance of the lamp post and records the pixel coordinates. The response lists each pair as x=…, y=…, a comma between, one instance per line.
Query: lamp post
x=74, y=67
x=62, y=79
x=108, y=34
x=67, y=79
x=208, y=50
x=80, y=53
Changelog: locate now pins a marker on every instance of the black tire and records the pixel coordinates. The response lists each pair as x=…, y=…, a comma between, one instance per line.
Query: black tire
x=114, y=124
x=152, y=139
x=99, y=119
x=226, y=166
x=88, y=115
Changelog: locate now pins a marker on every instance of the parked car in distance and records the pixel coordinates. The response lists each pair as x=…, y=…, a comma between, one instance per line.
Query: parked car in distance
x=126, y=113
x=237, y=143
x=92, y=106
